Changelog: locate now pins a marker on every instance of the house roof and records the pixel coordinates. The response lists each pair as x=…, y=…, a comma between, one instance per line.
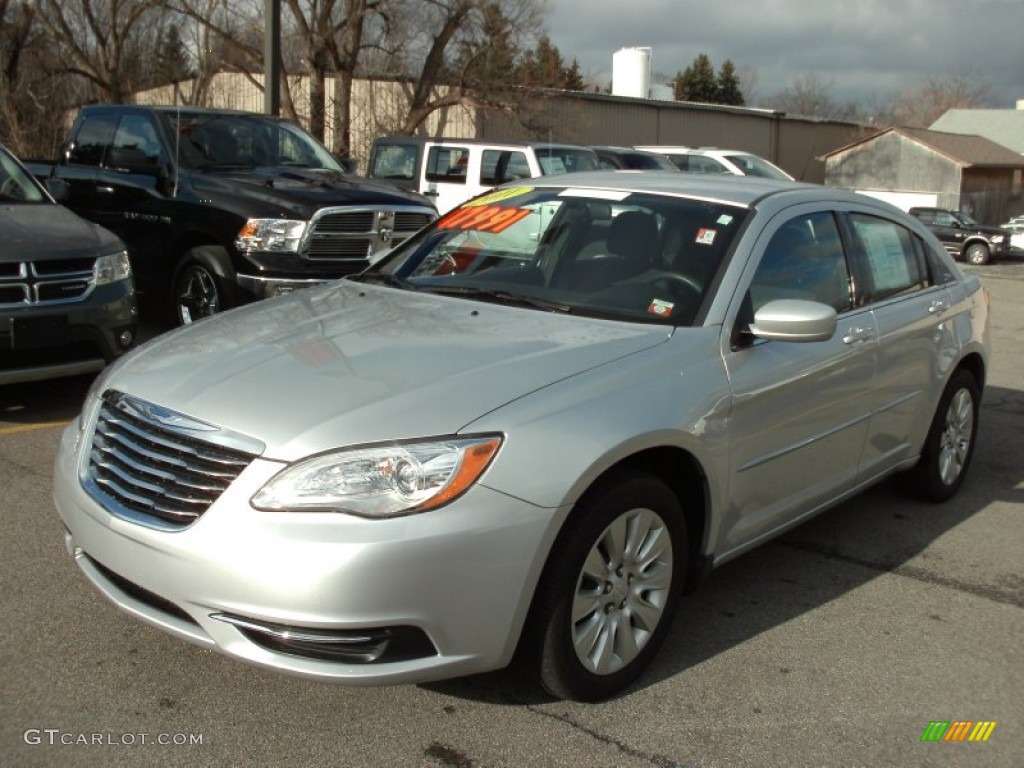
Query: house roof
x=967, y=151
x=1003, y=126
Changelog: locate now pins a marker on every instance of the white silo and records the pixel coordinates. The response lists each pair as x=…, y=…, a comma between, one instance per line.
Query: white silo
x=631, y=72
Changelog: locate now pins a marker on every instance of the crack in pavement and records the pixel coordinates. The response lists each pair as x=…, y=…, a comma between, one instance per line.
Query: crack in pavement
x=652, y=757
x=986, y=591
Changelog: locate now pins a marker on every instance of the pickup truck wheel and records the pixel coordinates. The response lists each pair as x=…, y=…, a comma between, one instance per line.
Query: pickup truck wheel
x=977, y=254
x=199, y=289
x=607, y=596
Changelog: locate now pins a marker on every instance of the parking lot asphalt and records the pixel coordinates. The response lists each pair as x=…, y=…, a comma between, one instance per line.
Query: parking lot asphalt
x=836, y=645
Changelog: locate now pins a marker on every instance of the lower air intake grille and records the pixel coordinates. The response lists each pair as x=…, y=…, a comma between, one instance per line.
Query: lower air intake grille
x=157, y=467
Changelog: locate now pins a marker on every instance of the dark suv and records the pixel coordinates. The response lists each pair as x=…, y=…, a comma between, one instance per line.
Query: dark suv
x=963, y=237
x=67, y=303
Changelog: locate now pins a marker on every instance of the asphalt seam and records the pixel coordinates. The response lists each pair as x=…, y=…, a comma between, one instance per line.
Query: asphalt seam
x=653, y=758
x=986, y=592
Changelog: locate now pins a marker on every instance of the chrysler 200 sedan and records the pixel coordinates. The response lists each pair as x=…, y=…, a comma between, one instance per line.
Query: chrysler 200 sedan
x=524, y=433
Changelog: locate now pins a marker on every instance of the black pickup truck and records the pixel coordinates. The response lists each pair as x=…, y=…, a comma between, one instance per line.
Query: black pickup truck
x=221, y=207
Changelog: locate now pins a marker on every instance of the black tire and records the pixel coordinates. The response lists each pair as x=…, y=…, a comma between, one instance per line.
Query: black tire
x=949, y=446
x=622, y=604
x=977, y=254
x=200, y=288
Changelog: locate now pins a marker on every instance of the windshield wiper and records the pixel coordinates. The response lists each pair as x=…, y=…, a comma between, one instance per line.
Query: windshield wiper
x=500, y=297
x=382, y=278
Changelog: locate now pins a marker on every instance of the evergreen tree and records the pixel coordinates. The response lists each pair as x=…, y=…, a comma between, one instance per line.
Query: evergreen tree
x=573, y=79
x=697, y=82
x=172, y=61
x=543, y=66
x=729, y=86
x=494, y=63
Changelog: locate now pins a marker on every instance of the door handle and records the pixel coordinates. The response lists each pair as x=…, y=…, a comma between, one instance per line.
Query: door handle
x=105, y=189
x=857, y=335
x=938, y=307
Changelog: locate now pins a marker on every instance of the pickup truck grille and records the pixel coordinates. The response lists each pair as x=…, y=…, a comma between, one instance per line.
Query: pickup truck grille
x=146, y=465
x=356, y=233
x=32, y=283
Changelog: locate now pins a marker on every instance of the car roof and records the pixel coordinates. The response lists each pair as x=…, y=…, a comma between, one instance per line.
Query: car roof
x=739, y=190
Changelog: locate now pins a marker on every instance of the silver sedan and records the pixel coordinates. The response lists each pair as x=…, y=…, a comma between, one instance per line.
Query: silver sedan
x=526, y=431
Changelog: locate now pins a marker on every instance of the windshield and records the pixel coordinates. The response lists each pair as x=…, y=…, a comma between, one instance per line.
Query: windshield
x=601, y=253
x=16, y=185
x=752, y=165
x=554, y=160
x=211, y=141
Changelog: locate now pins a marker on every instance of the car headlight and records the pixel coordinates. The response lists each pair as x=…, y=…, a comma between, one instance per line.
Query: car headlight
x=276, y=235
x=112, y=267
x=381, y=481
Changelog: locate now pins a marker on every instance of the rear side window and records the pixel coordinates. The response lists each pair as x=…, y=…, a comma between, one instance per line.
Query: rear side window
x=892, y=257
x=500, y=165
x=92, y=140
x=448, y=164
x=397, y=161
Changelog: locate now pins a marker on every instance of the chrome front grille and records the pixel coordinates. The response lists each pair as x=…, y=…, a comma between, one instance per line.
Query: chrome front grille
x=34, y=283
x=160, y=468
x=359, y=233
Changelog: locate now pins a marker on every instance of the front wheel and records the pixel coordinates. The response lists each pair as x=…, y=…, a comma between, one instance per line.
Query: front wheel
x=609, y=591
x=950, y=443
x=977, y=254
x=198, y=289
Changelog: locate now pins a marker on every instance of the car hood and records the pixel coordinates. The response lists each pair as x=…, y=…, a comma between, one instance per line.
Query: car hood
x=350, y=363
x=44, y=232
x=303, y=190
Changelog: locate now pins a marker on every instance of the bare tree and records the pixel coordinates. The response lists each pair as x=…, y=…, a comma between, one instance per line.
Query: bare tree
x=928, y=103
x=101, y=40
x=808, y=94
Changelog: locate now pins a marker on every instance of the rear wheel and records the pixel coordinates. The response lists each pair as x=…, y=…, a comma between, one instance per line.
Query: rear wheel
x=977, y=254
x=950, y=443
x=610, y=589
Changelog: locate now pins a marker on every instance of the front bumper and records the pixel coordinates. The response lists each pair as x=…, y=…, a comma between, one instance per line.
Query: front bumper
x=63, y=339
x=460, y=577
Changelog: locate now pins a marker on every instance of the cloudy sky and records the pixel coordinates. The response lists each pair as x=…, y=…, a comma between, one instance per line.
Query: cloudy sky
x=866, y=51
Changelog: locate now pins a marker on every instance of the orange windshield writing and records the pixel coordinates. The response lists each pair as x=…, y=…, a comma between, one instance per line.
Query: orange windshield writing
x=483, y=218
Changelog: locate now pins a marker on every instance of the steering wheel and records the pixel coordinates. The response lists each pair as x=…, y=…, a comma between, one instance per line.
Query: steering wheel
x=667, y=276
x=10, y=187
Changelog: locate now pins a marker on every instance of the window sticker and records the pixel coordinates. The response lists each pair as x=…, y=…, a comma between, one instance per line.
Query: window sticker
x=724, y=220
x=706, y=236
x=483, y=218
x=498, y=196
x=660, y=308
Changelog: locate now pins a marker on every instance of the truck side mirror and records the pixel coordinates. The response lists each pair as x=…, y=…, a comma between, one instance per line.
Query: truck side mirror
x=58, y=189
x=349, y=164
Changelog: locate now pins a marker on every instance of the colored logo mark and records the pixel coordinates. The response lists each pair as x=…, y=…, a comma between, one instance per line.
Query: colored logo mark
x=958, y=730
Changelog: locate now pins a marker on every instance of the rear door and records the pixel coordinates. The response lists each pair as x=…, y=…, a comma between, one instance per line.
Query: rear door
x=451, y=175
x=912, y=309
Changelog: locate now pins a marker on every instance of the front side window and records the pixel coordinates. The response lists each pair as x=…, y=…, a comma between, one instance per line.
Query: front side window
x=804, y=260
x=601, y=253
x=500, y=165
x=893, y=257
x=136, y=146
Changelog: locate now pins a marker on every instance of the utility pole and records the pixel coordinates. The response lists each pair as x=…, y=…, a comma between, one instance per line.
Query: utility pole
x=272, y=57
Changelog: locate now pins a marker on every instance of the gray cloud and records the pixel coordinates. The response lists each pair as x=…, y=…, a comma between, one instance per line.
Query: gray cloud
x=868, y=50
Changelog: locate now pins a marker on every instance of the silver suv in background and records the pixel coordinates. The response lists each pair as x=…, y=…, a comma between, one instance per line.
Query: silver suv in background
x=720, y=161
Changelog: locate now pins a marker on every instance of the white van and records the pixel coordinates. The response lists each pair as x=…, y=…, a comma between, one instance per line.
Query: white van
x=450, y=171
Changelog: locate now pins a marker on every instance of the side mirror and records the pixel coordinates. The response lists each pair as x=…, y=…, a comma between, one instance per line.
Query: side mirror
x=349, y=164
x=58, y=189
x=794, y=320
